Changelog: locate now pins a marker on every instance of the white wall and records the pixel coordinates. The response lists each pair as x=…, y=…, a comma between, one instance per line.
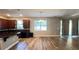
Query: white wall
x=52, y=29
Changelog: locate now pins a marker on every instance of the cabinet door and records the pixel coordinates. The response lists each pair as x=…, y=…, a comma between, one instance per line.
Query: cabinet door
x=11, y=24
x=7, y=24
x=0, y=24
x=26, y=23
x=4, y=24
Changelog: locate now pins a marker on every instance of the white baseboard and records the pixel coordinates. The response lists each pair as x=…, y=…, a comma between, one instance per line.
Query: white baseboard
x=46, y=35
x=73, y=36
x=54, y=35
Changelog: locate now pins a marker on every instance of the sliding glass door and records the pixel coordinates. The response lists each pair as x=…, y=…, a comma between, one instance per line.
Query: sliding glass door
x=69, y=27
x=75, y=26
x=65, y=27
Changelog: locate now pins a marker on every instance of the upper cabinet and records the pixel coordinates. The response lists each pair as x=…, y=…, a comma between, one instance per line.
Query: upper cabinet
x=26, y=24
x=3, y=24
x=12, y=24
x=7, y=24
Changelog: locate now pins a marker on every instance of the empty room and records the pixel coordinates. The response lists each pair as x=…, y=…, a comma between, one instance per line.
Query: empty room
x=39, y=29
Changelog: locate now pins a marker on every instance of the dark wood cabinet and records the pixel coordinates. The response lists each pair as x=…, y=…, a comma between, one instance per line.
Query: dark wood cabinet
x=7, y=24
x=3, y=24
x=11, y=24
x=26, y=24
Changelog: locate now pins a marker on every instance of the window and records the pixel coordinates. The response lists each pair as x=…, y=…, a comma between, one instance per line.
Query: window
x=40, y=25
x=19, y=24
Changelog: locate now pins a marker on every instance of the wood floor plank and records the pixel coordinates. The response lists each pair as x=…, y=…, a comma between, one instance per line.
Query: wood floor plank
x=52, y=43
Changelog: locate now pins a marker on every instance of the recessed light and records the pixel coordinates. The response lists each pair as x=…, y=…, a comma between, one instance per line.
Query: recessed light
x=8, y=15
x=20, y=15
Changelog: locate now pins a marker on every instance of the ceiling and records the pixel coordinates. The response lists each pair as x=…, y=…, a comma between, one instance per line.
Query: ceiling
x=39, y=12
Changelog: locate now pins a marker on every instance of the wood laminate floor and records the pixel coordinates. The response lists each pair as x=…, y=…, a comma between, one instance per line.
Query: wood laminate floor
x=48, y=43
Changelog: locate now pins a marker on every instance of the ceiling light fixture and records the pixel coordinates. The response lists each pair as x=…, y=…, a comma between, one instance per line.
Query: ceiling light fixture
x=40, y=14
x=19, y=11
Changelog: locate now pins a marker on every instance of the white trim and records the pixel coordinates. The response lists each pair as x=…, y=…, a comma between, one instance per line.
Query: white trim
x=46, y=35
x=75, y=36
x=54, y=35
x=11, y=45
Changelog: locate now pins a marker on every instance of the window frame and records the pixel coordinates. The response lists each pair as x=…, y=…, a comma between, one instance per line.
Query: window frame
x=41, y=25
